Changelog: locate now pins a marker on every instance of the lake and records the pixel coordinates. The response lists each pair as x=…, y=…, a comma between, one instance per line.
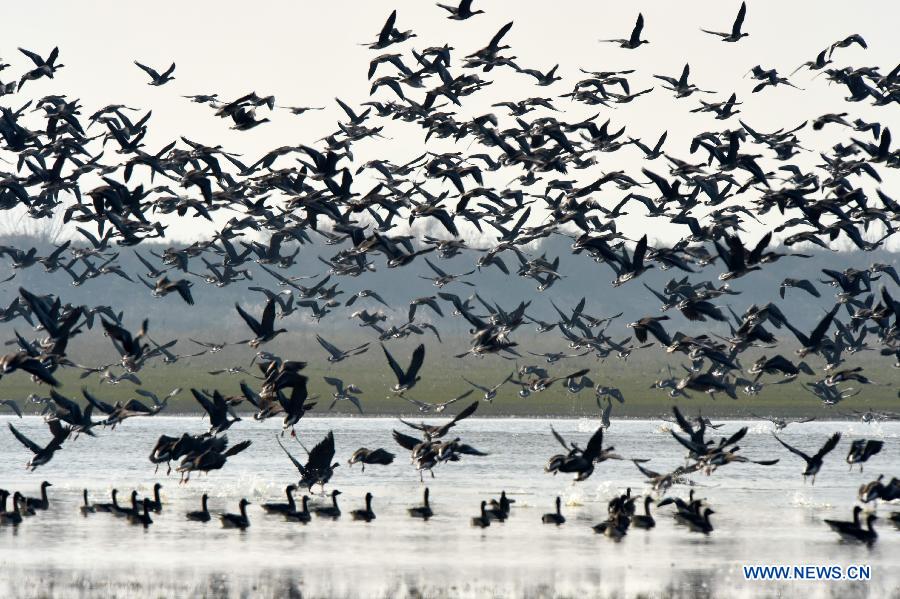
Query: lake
x=764, y=515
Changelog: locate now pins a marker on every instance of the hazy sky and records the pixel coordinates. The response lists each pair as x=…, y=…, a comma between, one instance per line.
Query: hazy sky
x=308, y=53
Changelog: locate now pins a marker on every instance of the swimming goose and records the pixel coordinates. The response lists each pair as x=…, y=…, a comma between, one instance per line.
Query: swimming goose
x=697, y=522
x=554, y=517
x=107, y=507
x=142, y=517
x=853, y=531
x=644, y=520
x=118, y=509
x=129, y=512
x=365, y=514
x=236, y=520
x=422, y=511
x=329, y=511
x=839, y=526
x=300, y=516
x=86, y=508
x=615, y=527
x=623, y=504
x=156, y=502
x=203, y=514
x=500, y=509
x=282, y=508
x=14, y=516
x=482, y=521
x=41, y=503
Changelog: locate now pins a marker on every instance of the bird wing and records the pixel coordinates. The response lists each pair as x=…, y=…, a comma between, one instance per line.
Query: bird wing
x=251, y=322
x=791, y=449
x=495, y=41
x=636, y=32
x=683, y=424
x=297, y=464
x=150, y=71
x=204, y=402
x=100, y=405
x=405, y=441
x=31, y=445
x=437, y=270
x=594, y=445
x=465, y=413
x=384, y=36
x=418, y=358
x=476, y=385
x=645, y=471
x=739, y=20
x=322, y=454
x=559, y=438
x=830, y=444
x=14, y=406
x=398, y=372
x=819, y=332
x=328, y=347
x=268, y=316
x=736, y=436
x=334, y=382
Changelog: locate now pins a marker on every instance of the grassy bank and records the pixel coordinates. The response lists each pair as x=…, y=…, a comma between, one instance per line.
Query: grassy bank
x=440, y=384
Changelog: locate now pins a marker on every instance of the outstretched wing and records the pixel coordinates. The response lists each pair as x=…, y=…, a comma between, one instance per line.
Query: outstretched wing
x=829, y=445
x=297, y=464
x=328, y=347
x=792, y=449
x=595, y=445
x=150, y=71
x=645, y=471
x=465, y=413
x=251, y=322
x=99, y=405
x=398, y=372
x=404, y=441
x=559, y=438
x=31, y=445
x=321, y=455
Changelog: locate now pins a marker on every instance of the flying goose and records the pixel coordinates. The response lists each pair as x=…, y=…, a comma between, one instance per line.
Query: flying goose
x=813, y=463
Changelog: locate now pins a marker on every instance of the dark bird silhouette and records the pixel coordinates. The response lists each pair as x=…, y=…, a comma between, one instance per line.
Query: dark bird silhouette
x=157, y=78
x=813, y=463
x=735, y=35
x=634, y=41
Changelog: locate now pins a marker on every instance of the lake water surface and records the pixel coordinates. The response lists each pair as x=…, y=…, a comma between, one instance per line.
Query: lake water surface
x=764, y=515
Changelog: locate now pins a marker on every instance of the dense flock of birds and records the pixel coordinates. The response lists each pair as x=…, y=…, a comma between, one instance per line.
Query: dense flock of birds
x=59, y=163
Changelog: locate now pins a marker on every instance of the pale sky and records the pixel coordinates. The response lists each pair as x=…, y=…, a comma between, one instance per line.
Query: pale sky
x=308, y=53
